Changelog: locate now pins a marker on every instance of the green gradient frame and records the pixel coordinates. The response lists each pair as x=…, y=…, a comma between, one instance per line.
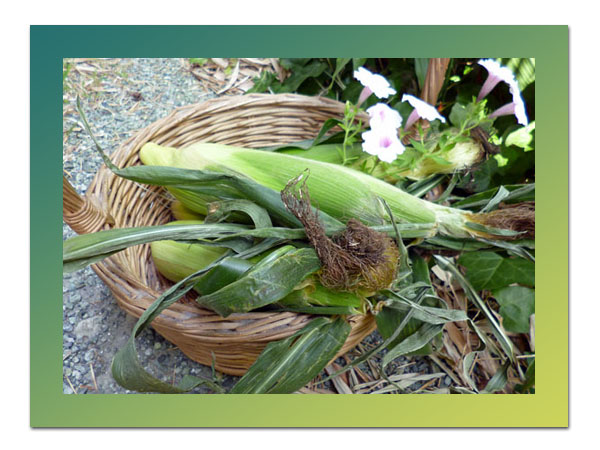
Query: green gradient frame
x=548, y=407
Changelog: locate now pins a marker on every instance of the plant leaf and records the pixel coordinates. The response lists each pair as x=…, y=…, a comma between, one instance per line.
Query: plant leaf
x=498, y=381
x=421, y=65
x=218, y=211
x=488, y=270
x=518, y=193
x=415, y=341
x=85, y=249
x=517, y=304
x=287, y=365
x=522, y=137
x=263, y=285
x=126, y=368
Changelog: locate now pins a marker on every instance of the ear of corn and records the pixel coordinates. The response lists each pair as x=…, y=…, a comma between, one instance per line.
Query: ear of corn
x=177, y=260
x=181, y=212
x=174, y=259
x=339, y=191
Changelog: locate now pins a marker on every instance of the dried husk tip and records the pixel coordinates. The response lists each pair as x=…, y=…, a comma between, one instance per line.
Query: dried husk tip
x=515, y=217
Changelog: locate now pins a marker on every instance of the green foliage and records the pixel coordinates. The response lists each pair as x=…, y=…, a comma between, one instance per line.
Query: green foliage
x=488, y=270
x=287, y=365
x=523, y=137
x=517, y=303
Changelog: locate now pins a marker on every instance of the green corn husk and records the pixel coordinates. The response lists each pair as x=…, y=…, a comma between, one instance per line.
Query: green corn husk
x=181, y=212
x=177, y=260
x=338, y=191
x=172, y=259
x=328, y=153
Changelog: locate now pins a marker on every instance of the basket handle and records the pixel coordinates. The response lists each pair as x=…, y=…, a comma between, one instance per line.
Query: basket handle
x=82, y=214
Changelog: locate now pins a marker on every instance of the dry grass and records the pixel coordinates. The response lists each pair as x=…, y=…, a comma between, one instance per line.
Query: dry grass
x=233, y=76
x=459, y=340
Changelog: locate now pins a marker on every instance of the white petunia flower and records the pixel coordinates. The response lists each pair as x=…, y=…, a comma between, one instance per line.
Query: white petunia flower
x=496, y=74
x=373, y=84
x=382, y=116
x=382, y=142
x=422, y=109
x=519, y=104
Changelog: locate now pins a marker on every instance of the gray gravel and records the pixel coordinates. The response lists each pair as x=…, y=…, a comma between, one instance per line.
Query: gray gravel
x=120, y=97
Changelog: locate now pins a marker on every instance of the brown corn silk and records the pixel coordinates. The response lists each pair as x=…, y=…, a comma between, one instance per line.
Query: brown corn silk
x=358, y=258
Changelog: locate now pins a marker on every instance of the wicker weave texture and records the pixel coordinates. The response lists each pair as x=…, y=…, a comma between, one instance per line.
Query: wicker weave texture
x=255, y=120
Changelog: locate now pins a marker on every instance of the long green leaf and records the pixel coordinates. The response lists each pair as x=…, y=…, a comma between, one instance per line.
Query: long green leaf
x=126, y=368
x=427, y=314
x=86, y=249
x=287, y=365
x=415, y=341
x=80, y=251
x=518, y=193
x=219, y=211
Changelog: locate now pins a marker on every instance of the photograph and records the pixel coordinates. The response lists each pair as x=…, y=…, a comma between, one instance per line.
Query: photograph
x=294, y=210
x=314, y=225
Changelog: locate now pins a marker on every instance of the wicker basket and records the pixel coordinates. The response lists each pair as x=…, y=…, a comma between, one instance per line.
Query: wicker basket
x=250, y=121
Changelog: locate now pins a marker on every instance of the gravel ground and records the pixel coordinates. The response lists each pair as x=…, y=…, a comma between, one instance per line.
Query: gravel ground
x=120, y=97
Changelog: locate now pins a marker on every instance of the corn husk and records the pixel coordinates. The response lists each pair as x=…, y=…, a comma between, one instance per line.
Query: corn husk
x=340, y=192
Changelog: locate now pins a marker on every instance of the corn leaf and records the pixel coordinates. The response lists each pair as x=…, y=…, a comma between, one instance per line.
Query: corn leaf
x=492, y=230
x=415, y=341
x=318, y=310
x=517, y=193
x=460, y=244
x=85, y=249
x=126, y=368
x=265, y=285
x=228, y=271
x=427, y=314
x=422, y=187
x=496, y=199
x=219, y=211
x=287, y=365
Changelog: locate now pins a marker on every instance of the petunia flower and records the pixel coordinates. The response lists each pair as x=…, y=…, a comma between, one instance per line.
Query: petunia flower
x=373, y=84
x=382, y=142
x=497, y=73
x=422, y=109
x=382, y=116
